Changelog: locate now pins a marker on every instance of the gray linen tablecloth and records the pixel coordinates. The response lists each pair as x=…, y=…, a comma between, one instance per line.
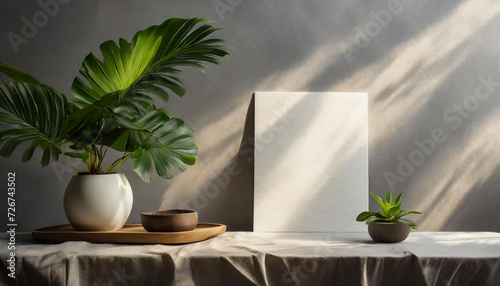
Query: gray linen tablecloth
x=247, y=258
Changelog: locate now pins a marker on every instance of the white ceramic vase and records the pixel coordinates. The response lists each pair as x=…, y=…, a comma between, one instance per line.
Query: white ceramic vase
x=98, y=202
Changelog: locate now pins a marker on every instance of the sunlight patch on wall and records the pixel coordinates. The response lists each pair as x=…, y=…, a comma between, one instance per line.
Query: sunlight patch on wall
x=473, y=166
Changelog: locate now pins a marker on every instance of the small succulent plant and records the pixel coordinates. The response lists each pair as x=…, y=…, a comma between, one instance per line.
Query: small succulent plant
x=391, y=211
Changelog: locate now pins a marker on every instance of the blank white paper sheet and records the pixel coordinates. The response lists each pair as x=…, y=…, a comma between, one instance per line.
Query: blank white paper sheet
x=311, y=161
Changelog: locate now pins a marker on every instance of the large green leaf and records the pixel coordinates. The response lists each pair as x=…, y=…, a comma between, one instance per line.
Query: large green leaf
x=155, y=140
x=22, y=76
x=17, y=74
x=36, y=113
x=147, y=65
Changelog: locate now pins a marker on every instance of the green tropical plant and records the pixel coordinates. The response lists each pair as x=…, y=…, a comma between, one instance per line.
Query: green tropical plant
x=391, y=211
x=113, y=103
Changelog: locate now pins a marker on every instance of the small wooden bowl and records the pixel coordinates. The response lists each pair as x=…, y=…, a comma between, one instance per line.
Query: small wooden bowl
x=169, y=220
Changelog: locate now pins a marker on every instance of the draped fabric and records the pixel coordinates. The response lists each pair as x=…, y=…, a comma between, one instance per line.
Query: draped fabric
x=247, y=258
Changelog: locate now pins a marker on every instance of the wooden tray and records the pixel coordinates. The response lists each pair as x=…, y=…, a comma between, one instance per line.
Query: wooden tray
x=130, y=233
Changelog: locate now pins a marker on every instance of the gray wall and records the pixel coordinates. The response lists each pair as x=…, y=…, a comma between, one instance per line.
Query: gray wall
x=423, y=64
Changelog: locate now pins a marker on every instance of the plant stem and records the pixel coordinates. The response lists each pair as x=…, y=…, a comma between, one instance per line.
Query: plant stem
x=95, y=157
x=99, y=134
x=117, y=162
x=102, y=158
x=67, y=160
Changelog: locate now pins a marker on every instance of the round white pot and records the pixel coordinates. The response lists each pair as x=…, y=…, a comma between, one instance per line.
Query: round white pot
x=98, y=202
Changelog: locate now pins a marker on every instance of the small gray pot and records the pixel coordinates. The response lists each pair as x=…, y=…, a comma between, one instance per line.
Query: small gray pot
x=388, y=232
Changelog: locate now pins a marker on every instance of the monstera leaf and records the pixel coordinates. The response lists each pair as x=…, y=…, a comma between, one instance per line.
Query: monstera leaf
x=155, y=139
x=147, y=65
x=35, y=113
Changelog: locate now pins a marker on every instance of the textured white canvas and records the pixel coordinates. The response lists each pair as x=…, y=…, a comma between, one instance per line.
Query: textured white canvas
x=311, y=161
